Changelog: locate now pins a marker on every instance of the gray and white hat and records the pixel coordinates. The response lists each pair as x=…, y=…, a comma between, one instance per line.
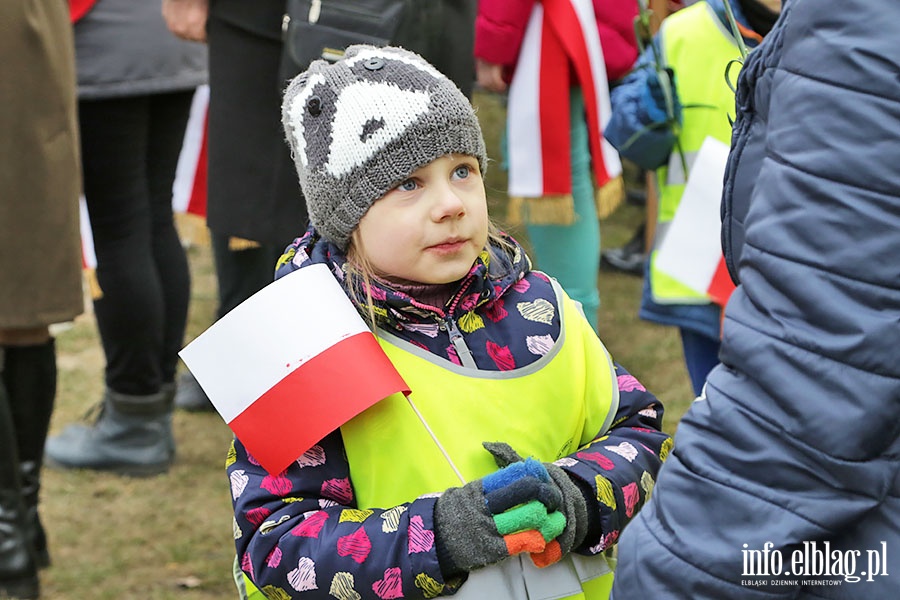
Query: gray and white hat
x=360, y=126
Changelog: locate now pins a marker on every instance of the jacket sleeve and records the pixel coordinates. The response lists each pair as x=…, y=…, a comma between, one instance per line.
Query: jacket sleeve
x=619, y=466
x=636, y=127
x=796, y=441
x=499, y=29
x=615, y=23
x=300, y=533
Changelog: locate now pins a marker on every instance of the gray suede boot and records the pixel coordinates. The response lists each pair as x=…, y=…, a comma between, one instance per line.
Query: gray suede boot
x=132, y=436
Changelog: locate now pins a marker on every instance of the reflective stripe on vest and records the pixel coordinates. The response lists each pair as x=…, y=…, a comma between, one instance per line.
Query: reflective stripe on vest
x=547, y=410
x=698, y=48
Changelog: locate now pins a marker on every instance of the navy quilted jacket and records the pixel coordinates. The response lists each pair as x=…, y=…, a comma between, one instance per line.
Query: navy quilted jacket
x=795, y=444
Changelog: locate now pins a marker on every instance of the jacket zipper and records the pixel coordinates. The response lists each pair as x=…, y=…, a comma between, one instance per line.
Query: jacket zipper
x=459, y=342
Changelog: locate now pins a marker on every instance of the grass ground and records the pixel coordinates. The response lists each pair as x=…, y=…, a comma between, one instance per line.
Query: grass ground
x=169, y=536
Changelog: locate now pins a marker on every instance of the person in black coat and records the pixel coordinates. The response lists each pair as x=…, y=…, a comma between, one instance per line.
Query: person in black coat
x=255, y=206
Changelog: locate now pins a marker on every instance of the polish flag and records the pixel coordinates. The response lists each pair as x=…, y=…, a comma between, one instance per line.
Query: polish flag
x=88, y=257
x=691, y=251
x=189, y=187
x=290, y=365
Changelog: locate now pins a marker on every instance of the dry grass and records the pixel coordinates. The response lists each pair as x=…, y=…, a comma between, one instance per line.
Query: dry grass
x=170, y=536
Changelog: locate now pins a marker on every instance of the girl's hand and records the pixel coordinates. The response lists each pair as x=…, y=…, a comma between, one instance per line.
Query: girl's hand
x=490, y=76
x=186, y=18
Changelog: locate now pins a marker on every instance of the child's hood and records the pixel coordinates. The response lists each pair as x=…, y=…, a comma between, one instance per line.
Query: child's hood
x=490, y=277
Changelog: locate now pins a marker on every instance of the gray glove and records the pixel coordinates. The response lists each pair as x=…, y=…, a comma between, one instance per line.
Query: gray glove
x=510, y=511
x=573, y=506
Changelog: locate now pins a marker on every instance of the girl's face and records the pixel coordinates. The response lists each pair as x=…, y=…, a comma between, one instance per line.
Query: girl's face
x=431, y=227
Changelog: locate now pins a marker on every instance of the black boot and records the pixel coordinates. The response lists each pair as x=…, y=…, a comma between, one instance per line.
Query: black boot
x=18, y=571
x=30, y=377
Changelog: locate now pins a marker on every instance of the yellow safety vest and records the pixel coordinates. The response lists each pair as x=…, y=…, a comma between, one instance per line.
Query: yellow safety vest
x=698, y=48
x=547, y=409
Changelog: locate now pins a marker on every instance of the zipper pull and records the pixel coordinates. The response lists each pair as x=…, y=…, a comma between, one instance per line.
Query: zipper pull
x=459, y=343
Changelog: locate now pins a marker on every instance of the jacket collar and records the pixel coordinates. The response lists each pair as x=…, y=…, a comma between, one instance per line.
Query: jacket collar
x=491, y=275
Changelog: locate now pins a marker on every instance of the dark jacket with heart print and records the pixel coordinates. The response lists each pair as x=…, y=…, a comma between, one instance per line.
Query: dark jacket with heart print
x=274, y=540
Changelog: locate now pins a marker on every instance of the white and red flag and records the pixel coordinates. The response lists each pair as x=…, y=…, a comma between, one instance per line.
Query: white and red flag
x=290, y=365
x=189, y=187
x=691, y=251
x=561, y=48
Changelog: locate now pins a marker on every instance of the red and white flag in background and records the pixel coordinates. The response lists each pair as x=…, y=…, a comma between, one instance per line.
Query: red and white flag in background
x=691, y=251
x=561, y=47
x=290, y=365
x=189, y=188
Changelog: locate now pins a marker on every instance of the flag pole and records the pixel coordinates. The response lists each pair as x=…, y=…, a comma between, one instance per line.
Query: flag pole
x=437, y=442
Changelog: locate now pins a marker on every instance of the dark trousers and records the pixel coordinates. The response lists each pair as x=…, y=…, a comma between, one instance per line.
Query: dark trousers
x=242, y=273
x=701, y=354
x=130, y=149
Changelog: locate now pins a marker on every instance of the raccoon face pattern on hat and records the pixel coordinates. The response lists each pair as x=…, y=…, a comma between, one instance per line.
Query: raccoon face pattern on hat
x=359, y=127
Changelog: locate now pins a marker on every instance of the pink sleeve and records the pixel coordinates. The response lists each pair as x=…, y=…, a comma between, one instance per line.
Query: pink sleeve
x=499, y=29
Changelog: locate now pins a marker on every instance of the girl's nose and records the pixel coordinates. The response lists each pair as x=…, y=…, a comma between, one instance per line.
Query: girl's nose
x=448, y=204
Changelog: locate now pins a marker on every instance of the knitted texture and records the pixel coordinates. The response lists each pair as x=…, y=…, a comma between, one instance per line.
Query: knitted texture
x=571, y=527
x=359, y=127
x=469, y=536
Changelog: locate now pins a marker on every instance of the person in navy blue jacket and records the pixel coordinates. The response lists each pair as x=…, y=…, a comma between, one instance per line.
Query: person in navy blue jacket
x=785, y=479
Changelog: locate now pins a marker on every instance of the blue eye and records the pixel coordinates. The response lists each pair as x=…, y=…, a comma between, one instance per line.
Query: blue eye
x=407, y=186
x=462, y=171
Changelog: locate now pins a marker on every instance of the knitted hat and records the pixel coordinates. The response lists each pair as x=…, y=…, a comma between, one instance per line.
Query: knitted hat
x=359, y=127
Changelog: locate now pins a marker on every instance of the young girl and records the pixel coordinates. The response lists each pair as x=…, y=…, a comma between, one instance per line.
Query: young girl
x=501, y=363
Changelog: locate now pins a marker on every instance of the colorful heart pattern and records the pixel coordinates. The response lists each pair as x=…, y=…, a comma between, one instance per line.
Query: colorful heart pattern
x=257, y=516
x=354, y=515
x=391, y=586
x=239, y=482
x=420, y=539
x=278, y=485
x=632, y=498
x=647, y=484
x=342, y=587
x=313, y=457
x=501, y=356
x=338, y=489
x=274, y=558
x=539, y=345
x=625, y=450
x=470, y=322
x=430, y=587
x=665, y=449
x=605, y=492
x=628, y=383
x=303, y=578
x=391, y=518
x=605, y=463
x=539, y=311
x=311, y=525
x=357, y=545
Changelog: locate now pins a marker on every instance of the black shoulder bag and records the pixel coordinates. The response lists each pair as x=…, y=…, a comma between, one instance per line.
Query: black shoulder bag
x=314, y=29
